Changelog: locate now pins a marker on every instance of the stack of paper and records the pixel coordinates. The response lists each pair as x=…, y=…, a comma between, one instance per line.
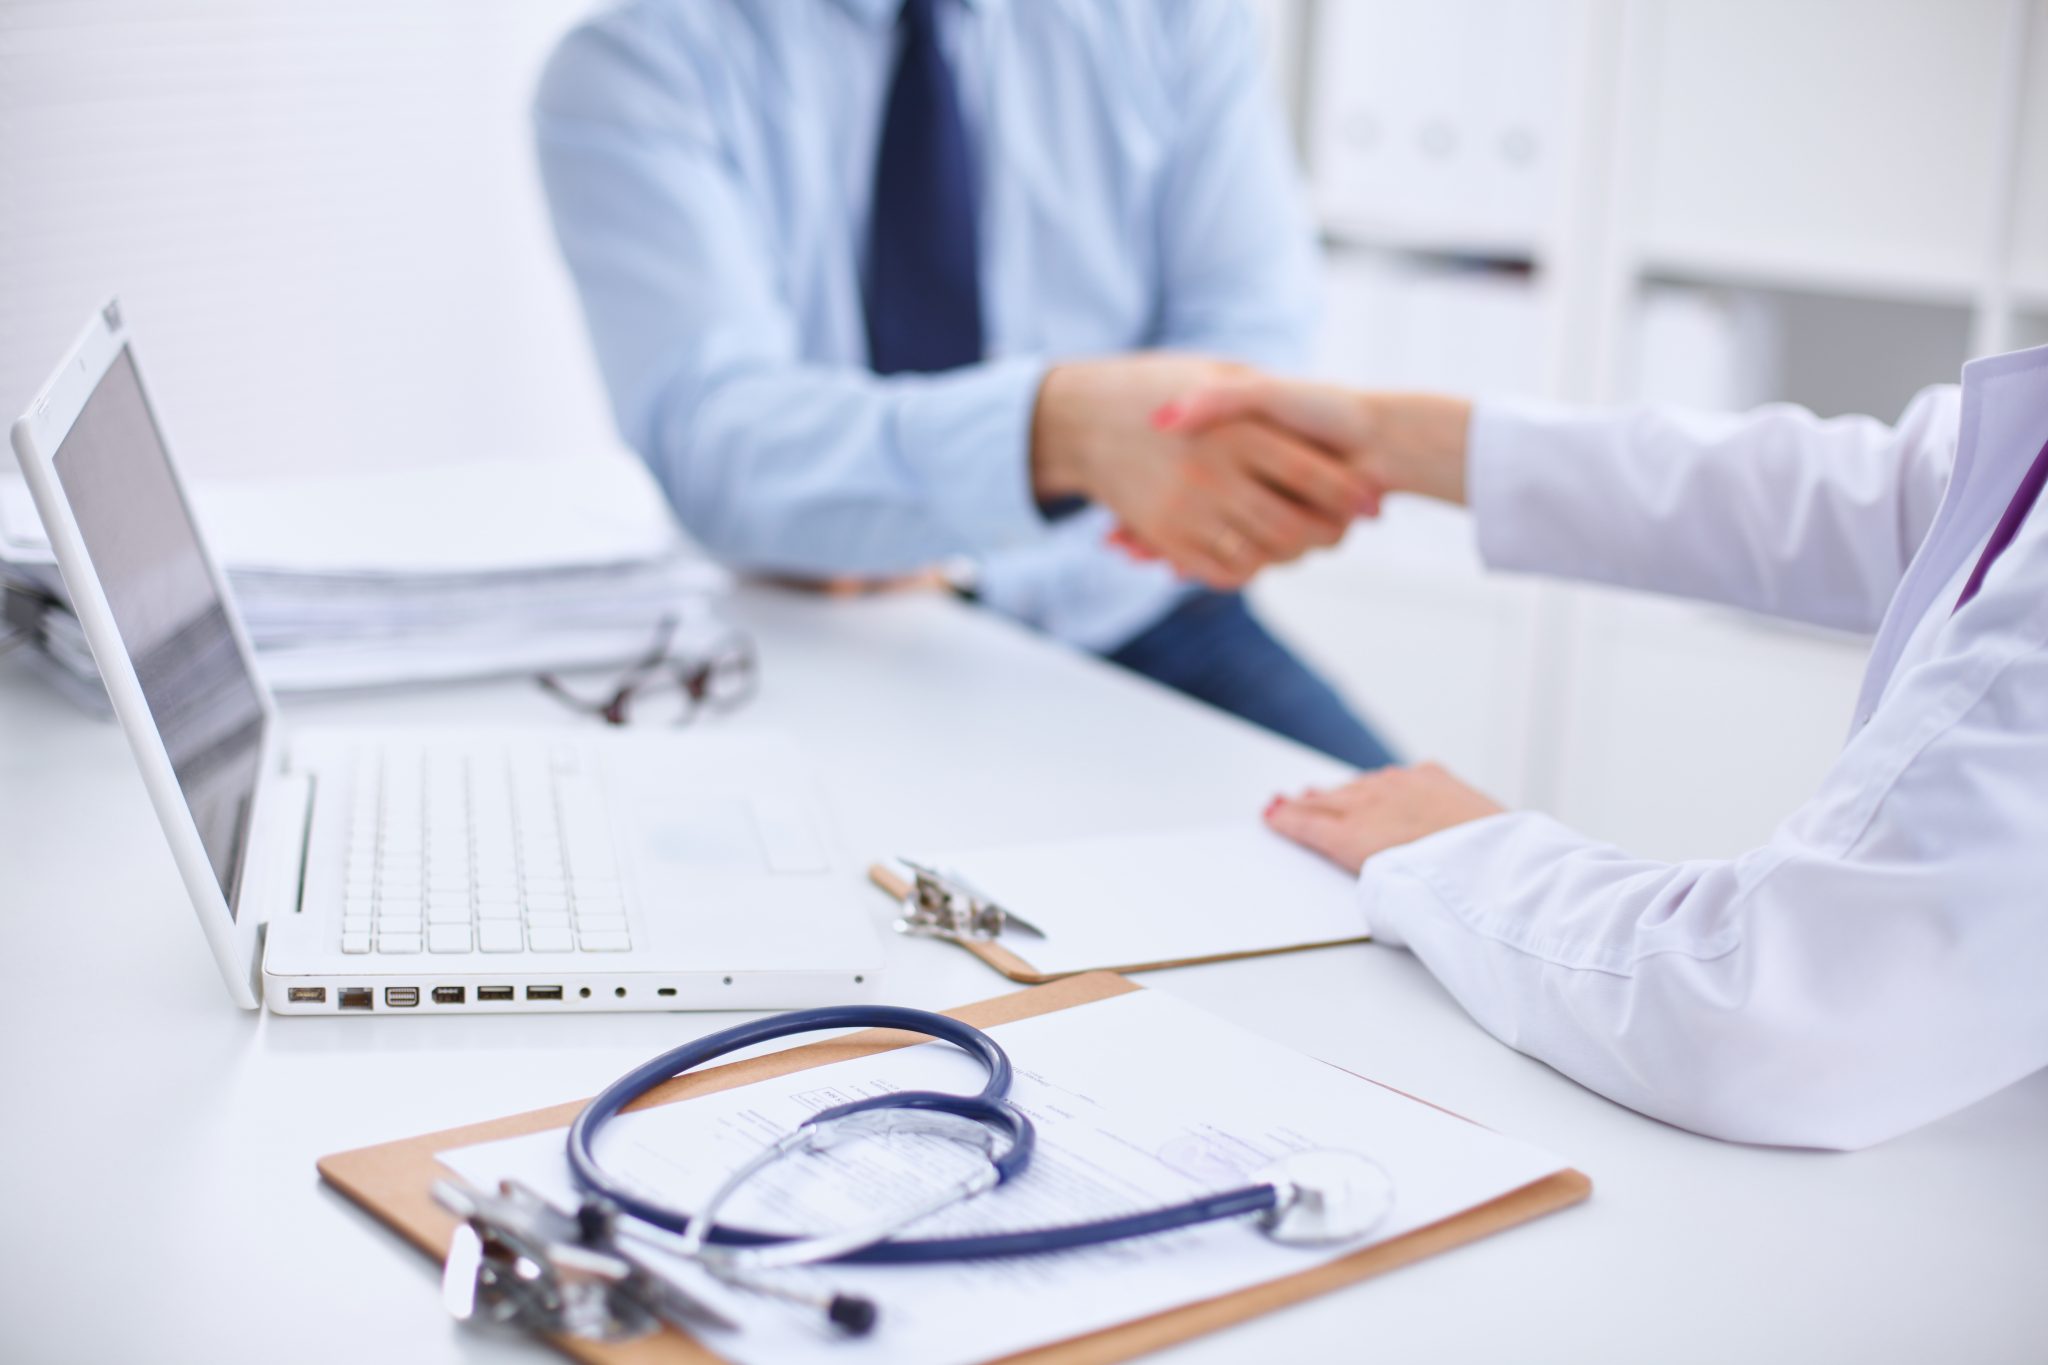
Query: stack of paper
x=457, y=571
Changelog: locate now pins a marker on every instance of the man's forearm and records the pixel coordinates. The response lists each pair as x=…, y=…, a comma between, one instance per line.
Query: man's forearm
x=827, y=471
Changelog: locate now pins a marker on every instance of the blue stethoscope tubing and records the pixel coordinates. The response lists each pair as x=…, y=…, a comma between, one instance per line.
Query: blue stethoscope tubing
x=991, y=1107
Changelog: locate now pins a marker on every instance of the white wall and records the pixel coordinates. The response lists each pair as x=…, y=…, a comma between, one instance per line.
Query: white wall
x=322, y=221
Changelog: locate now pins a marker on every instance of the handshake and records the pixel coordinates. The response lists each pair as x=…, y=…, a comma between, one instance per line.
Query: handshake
x=1220, y=471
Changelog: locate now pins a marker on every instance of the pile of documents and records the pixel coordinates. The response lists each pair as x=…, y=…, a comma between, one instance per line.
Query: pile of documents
x=458, y=571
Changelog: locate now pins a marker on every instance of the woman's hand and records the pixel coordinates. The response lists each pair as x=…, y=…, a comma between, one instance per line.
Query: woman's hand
x=1377, y=812
x=1400, y=442
x=1219, y=501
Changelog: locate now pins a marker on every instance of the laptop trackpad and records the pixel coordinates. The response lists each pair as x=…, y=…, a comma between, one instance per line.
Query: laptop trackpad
x=731, y=833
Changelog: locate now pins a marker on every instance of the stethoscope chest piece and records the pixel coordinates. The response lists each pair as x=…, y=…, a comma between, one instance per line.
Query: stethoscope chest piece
x=1325, y=1197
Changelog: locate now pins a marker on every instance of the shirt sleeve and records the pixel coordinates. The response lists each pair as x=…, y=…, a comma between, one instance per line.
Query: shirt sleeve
x=773, y=463
x=1876, y=965
x=1776, y=510
x=1237, y=251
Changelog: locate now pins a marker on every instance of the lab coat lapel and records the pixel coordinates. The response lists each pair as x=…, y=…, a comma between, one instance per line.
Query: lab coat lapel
x=2004, y=422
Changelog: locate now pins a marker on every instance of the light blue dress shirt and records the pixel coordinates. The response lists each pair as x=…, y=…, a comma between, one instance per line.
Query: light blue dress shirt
x=709, y=166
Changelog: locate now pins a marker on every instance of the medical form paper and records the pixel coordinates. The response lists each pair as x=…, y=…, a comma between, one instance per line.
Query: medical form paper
x=1173, y=896
x=1140, y=1100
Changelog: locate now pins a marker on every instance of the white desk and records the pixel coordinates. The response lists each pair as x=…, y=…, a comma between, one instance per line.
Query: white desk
x=156, y=1169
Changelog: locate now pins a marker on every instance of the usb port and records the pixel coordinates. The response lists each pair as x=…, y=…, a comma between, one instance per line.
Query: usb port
x=451, y=995
x=489, y=993
x=355, y=997
x=401, y=997
x=306, y=995
x=543, y=992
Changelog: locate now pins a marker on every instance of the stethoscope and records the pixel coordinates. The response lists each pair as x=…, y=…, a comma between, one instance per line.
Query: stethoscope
x=1306, y=1198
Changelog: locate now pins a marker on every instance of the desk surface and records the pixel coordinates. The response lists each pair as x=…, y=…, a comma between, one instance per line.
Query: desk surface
x=157, y=1168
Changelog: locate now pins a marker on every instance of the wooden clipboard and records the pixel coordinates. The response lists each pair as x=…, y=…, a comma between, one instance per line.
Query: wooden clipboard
x=996, y=955
x=392, y=1182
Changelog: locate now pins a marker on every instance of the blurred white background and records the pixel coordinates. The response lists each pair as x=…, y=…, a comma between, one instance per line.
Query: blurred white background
x=324, y=221
x=355, y=177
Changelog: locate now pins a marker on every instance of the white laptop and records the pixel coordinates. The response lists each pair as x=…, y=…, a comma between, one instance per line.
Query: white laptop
x=409, y=872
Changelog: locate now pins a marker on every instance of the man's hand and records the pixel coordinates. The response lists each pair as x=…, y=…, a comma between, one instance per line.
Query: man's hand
x=1219, y=503
x=1400, y=442
x=1377, y=812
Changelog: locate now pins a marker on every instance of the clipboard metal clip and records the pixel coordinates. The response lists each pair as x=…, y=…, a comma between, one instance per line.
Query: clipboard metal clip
x=946, y=905
x=518, y=1261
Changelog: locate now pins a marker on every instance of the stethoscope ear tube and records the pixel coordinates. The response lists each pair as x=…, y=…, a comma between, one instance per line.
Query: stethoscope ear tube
x=991, y=1108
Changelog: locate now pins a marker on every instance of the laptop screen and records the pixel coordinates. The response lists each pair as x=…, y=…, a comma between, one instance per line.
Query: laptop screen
x=145, y=549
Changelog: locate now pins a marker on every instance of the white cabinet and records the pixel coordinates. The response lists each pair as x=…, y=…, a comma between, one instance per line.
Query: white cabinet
x=1390, y=321
x=2030, y=189
x=1822, y=140
x=1438, y=656
x=1401, y=617
x=1728, y=201
x=1438, y=121
x=1688, y=731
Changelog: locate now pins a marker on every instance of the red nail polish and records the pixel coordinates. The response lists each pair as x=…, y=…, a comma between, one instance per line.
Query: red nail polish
x=1164, y=415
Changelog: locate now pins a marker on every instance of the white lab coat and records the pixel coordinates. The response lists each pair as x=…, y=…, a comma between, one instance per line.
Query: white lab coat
x=1883, y=959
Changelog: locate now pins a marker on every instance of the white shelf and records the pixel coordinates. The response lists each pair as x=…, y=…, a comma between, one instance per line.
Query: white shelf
x=1845, y=274
x=1352, y=230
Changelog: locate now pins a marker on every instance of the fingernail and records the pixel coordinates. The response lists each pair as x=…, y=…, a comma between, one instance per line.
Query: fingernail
x=1165, y=415
x=1275, y=804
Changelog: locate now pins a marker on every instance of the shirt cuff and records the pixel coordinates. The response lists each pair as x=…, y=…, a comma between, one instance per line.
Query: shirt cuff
x=966, y=437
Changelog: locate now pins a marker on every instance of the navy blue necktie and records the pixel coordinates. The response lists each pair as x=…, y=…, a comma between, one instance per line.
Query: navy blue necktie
x=923, y=292
x=2008, y=525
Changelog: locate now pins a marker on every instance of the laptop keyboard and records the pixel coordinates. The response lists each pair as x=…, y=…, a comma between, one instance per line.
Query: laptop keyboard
x=499, y=850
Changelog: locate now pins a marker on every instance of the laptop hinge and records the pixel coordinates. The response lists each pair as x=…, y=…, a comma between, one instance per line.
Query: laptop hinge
x=285, y=820
x=304, y=843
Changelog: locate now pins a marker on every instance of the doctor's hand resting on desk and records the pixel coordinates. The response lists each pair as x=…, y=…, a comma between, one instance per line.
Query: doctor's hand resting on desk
x=1879, y=962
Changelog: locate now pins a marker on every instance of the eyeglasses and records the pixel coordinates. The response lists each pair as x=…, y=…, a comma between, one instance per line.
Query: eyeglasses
x=660, y=689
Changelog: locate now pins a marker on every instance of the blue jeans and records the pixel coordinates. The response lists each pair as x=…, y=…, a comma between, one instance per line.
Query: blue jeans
x=1213, y=649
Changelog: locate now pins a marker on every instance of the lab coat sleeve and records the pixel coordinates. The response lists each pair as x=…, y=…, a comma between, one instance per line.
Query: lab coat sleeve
x=772, y=462
x=1776, y=510
x=1878, y=964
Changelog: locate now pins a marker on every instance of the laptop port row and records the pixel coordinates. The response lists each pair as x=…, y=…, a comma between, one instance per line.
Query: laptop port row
x=408, y=997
